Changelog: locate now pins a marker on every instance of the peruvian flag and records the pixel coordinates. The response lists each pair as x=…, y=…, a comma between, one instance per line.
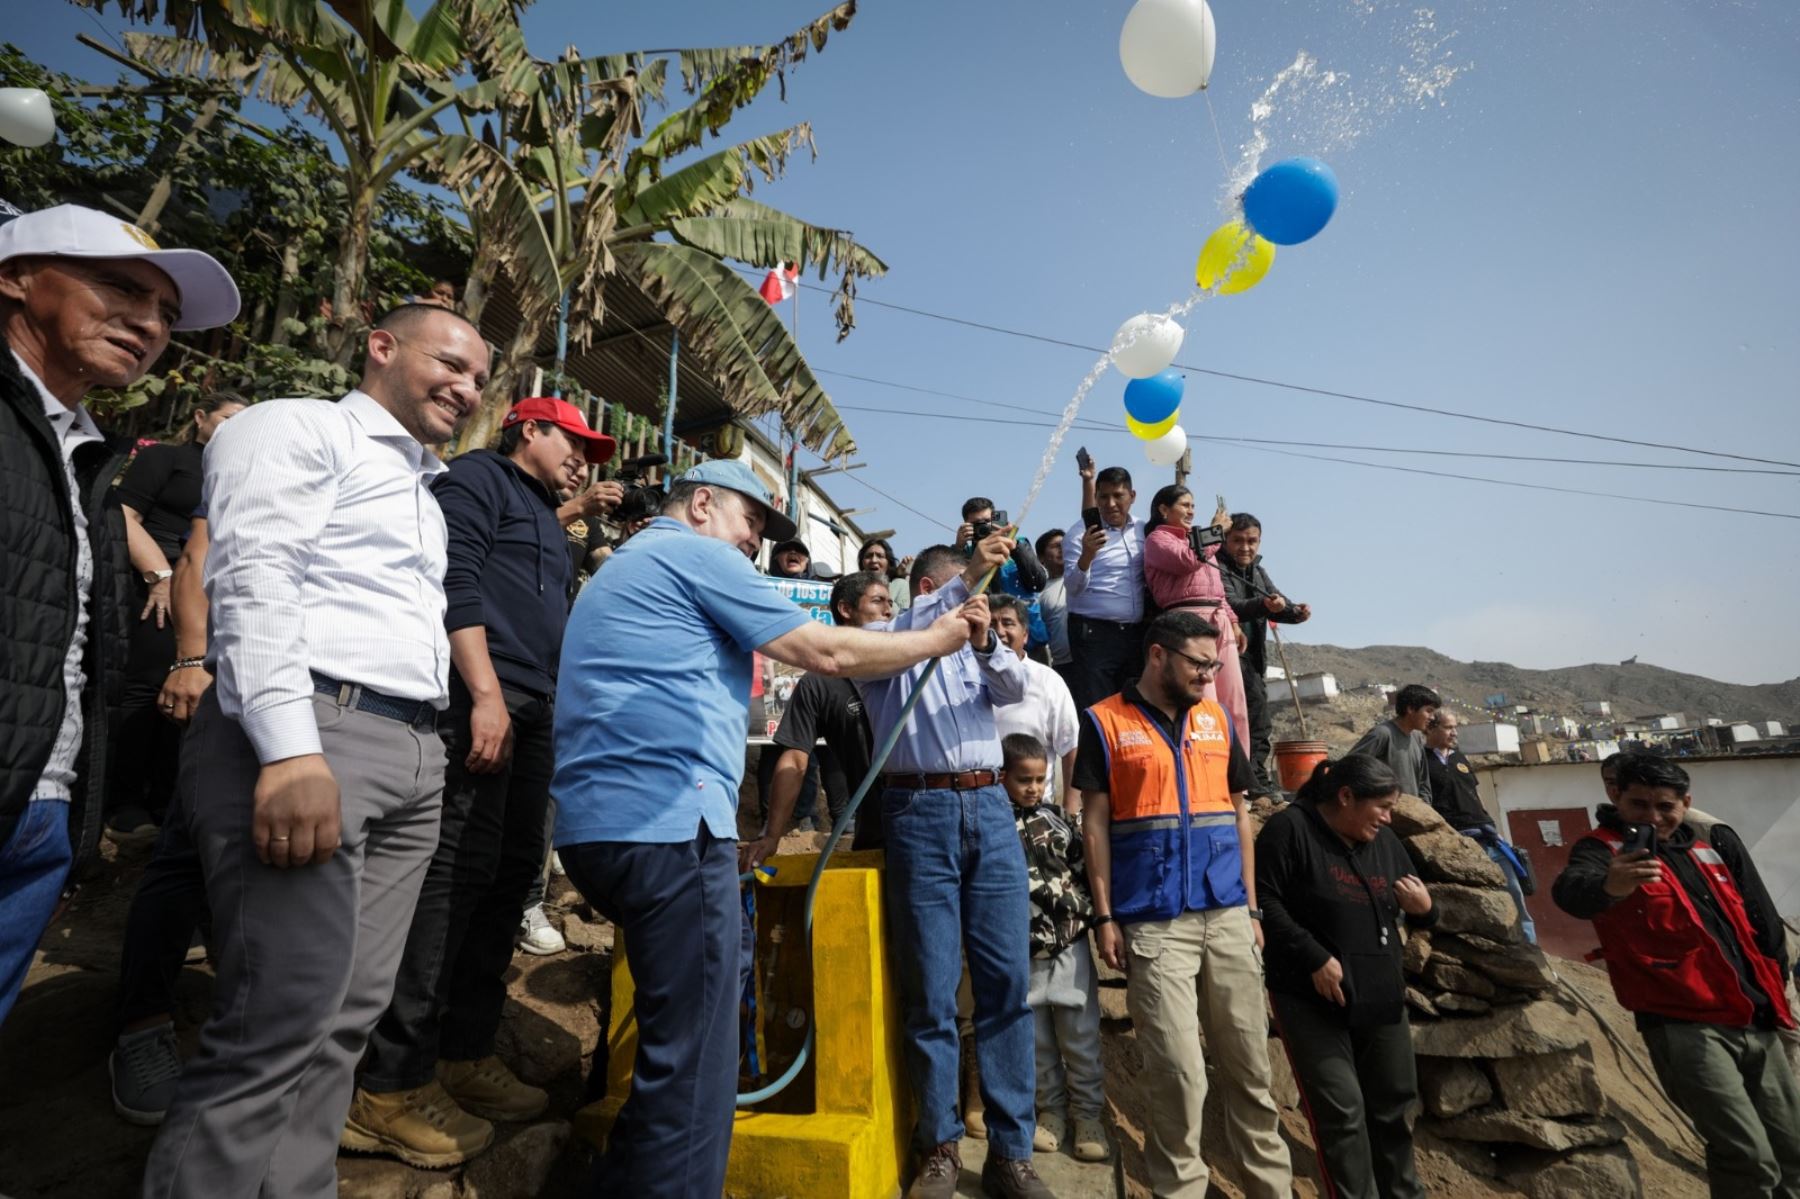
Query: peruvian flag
x=780, y=283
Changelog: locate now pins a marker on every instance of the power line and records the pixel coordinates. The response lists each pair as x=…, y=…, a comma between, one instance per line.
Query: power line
x=950, y=395
x=856, y=478
x=1262, y=449
x=1308, y=390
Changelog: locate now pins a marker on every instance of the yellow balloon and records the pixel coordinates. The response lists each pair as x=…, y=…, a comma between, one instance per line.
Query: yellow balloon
x=1227, y=265
x=1151, y=432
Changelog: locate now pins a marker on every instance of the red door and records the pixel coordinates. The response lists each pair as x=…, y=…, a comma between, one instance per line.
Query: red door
x=1547, y=834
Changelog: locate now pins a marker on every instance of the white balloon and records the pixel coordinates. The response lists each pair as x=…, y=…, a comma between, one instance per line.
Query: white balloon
x=25, y=116
x=1167, y=46
x=1167, y=449
x=1146, y=344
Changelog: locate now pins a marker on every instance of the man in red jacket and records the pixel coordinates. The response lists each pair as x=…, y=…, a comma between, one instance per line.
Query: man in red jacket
x=1694, y=948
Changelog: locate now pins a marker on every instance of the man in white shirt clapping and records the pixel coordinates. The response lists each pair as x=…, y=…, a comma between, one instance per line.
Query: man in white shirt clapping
x=314, y=770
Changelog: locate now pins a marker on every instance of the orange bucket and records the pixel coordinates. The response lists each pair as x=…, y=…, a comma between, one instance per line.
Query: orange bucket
x=1294, y=761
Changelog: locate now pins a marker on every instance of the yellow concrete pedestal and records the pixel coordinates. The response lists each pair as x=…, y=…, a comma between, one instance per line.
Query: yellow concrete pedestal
x=850, y=1140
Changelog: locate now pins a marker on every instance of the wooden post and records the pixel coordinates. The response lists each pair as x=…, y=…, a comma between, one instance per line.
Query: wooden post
x=1293, y=687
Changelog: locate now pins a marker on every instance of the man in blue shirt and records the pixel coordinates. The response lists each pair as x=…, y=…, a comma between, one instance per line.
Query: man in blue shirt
x=1104, y=586
x=956, y=882
x=652, y=700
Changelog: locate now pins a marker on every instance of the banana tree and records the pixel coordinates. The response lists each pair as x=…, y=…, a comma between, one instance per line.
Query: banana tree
x=576, y=194
x=378, y=77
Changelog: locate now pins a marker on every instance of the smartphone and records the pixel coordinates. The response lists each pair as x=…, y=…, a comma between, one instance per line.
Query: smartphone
x=1083, y=459
x=1639, y=837
x=1090, y=517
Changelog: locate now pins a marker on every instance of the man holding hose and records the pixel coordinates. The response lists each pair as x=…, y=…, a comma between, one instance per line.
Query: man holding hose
x=652, y=697
x=956, y=882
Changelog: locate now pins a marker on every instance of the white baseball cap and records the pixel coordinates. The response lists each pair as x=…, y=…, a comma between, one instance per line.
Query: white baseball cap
x=209, y=298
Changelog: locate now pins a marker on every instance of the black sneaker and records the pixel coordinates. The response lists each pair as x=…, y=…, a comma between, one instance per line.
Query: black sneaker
x=145, y=1066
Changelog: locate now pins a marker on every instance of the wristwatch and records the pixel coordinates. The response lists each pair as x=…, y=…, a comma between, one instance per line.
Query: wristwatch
x=993, y=642
x=1255, y=913
x=157, y=576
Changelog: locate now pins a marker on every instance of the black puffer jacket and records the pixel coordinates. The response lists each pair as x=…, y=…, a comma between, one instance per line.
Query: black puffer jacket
x=37, y=605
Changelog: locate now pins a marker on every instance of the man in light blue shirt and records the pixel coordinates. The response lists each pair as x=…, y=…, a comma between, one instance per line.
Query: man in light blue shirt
x=652, y=701
x=956, y=881
x=1103, y=582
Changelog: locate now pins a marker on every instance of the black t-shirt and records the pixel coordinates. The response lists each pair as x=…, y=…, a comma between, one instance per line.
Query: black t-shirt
x=162, y=485
x=827, y=708
x=1091, y=773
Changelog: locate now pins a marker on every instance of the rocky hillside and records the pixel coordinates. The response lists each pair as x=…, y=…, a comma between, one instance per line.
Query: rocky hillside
x=1636, y=690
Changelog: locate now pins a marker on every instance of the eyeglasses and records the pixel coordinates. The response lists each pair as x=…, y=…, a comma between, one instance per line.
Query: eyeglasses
x=474, y=374
x=1207, y=669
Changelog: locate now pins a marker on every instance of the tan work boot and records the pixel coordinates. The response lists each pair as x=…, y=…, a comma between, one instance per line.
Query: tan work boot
x=974, y=1111
x=488, y=1088
x=422, y=1127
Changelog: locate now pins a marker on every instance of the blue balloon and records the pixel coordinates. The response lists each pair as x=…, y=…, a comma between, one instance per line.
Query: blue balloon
x=1155, y=399
x=1291, y=201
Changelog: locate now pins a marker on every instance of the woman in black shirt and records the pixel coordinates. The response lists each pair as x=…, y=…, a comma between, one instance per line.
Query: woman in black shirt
x=159, y=492
x=1333, y=881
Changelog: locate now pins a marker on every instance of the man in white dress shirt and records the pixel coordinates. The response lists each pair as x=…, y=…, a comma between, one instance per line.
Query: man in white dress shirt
x=1048, y=710
x=86, y=301
x=313, y=770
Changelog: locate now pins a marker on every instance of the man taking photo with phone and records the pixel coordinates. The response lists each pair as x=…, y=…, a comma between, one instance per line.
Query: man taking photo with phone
x=1694, y=948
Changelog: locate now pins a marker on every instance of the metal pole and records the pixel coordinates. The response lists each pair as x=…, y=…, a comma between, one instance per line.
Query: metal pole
x=1293, y=690
x=562, y=342
x=669, y=408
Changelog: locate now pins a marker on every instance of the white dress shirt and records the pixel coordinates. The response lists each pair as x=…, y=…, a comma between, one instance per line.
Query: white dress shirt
x=327, y=555
x=73, y=427
x=1112, y=587
x=1048, y=713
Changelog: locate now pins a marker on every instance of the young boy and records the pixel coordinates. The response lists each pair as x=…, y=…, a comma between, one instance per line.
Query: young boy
x=1400, y=741
x=1063, y=993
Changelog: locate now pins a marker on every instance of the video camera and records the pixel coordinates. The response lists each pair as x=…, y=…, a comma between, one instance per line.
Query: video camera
x=1202, y=536
x=985, y=529
x=633, y=470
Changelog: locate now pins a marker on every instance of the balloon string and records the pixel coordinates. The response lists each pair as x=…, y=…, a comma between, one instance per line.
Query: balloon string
x=1224, y=162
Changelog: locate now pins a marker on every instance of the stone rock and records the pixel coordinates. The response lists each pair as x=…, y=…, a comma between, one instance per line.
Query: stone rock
x=1417, y=952
x=1542, y=1026
x=1605, y=1173
x=1461, y=1005
x=1446, y=976
x=383, y=1178
x=518, y=1167
x=1550, y=1084
x=1451, y=1086
x=1521, y=966
x=1534, y=1131
x=1415, y=998
x=595, y=937
x=1479, y=910
x=1446, y=856
x=1413, y=816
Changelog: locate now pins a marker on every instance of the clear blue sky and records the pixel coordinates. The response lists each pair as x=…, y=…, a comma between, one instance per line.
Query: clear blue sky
x=1595, y=230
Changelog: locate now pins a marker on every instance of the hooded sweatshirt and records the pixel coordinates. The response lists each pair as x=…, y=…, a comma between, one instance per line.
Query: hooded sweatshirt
x=508, y=569
x=1323, y=899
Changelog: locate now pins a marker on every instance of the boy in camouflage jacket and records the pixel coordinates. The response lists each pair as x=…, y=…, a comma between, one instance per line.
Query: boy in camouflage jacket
x=1063, y=993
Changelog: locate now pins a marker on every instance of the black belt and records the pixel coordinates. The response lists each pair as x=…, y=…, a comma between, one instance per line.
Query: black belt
x=419, y=713
x=1121, y=625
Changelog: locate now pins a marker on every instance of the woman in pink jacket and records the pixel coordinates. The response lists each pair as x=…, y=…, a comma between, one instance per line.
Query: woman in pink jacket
x=1180, y=578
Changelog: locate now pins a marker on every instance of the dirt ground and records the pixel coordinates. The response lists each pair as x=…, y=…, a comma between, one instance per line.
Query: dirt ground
x=59, y=1138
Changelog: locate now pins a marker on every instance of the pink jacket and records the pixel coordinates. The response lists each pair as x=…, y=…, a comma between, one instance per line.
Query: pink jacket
x=1175, y=576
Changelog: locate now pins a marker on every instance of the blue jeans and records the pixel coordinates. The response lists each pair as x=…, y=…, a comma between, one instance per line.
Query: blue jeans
x=33, y=864
x=1499, y=858
x=956, y=887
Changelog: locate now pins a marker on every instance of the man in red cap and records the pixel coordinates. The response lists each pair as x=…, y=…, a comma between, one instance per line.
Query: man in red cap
x=431, y=1081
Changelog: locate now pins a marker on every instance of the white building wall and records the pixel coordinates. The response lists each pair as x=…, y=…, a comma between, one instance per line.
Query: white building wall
x=1758, y=796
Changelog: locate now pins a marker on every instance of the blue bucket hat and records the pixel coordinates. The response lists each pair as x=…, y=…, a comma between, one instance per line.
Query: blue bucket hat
x=735, y=475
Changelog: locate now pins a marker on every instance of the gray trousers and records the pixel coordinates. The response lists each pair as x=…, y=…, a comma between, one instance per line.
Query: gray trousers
x=1735, y=1085
x=306, y=957
x=1068, y=1041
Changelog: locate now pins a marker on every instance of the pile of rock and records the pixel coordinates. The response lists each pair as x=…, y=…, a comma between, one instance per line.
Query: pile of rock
x=1503, y=1063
